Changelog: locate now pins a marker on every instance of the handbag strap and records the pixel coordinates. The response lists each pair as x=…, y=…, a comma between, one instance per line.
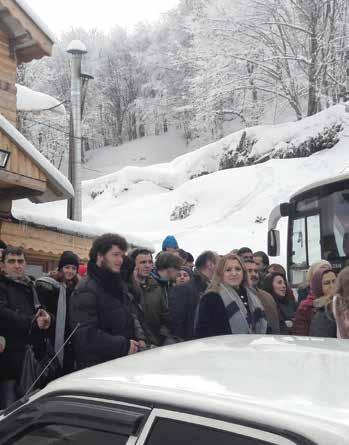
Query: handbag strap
x=37, y=306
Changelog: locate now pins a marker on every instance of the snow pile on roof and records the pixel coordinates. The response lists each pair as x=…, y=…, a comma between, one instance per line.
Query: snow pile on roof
x=30, y=100
x=169, y=176
x=23, y=4
x=74, y=227
x=54, y=176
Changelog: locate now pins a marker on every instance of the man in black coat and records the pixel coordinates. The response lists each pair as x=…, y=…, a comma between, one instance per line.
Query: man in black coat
x=22, y=321
x=184, y=299
x=99, y=307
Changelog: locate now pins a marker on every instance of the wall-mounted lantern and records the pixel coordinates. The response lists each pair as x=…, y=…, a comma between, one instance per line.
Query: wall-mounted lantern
x=4, y=157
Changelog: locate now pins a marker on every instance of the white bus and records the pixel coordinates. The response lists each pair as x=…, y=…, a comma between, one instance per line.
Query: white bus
x=318, y=227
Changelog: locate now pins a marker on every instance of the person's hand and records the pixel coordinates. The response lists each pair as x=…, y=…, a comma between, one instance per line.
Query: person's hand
x=2, y=344
x=142, y=345
x=133, y=347
x=43, y=319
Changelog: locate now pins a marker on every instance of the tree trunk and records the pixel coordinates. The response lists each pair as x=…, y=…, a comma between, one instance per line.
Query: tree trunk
x=312, y=89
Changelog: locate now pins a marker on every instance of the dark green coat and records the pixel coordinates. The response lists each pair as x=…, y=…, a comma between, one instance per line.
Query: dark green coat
x=155, y=311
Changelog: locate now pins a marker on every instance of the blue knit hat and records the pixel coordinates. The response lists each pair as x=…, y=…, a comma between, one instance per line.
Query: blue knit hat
x=169, y=242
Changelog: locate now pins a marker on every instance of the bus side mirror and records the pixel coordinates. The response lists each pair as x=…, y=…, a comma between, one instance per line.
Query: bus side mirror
x=273, y=242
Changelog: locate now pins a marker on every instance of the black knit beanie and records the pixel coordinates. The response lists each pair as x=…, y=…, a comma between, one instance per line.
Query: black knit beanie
x=68, y=259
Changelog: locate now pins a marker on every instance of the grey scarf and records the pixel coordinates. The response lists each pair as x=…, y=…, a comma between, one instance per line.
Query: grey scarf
x=60, y=317
x=237, y=312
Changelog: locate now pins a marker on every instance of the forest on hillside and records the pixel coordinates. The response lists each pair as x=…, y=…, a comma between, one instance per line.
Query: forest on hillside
x=204, y=65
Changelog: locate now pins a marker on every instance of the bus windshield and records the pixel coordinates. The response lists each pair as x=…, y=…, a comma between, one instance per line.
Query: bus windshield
x=320, y=230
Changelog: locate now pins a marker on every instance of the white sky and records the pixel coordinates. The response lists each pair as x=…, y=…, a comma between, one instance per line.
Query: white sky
x=62, y=15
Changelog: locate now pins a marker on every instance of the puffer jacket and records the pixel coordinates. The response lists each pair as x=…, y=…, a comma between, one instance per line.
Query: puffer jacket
x=100, y=308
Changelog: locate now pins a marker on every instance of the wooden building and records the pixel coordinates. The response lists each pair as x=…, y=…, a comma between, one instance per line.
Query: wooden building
x=24, y=172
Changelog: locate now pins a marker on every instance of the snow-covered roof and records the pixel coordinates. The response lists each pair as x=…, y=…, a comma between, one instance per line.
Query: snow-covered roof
x=23, y=4
x=54, y=176
x=74, y=227
x=30, y=100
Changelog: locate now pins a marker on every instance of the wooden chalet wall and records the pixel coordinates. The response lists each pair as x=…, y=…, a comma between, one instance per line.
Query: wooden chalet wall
x=7, y=80
x=42, y=245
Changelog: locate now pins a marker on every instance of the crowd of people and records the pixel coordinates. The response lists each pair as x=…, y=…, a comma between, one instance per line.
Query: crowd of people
x=125, y=301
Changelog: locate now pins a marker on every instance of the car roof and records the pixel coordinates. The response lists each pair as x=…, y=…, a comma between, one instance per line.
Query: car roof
x=263, y=378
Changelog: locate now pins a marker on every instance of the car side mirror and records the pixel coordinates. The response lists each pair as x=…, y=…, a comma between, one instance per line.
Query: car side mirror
x=273, y=242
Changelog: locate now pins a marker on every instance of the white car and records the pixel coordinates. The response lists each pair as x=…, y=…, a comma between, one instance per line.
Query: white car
x=233, y=390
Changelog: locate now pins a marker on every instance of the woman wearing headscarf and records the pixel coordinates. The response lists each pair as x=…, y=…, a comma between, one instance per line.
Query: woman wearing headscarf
x=305, y=310
x=230, y=306
x=323, y=323
x=304, y=290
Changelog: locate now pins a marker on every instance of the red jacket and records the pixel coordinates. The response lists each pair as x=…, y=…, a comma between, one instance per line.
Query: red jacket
x=304, y=315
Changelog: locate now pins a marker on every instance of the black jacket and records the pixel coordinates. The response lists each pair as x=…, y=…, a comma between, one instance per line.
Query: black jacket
x=287, y=312
x=183, y=301
x=212, y=317
x=100, y=306
x=323, y=324
x=48, y=296
x=17, y=314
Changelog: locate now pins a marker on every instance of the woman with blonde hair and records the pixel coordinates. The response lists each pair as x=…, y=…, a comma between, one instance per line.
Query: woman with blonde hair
x=230, y=306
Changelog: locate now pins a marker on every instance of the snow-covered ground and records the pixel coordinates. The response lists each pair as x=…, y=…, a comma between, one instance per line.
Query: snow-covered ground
x=225, y=203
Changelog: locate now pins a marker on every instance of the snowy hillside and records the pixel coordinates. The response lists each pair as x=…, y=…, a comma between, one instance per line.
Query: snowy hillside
x=140, y=152
x=220, y=210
